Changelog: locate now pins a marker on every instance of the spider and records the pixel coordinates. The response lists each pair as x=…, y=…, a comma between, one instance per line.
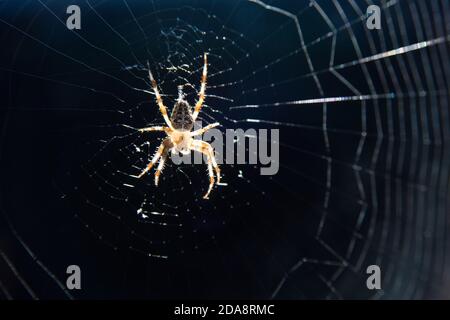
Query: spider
x=178, y=130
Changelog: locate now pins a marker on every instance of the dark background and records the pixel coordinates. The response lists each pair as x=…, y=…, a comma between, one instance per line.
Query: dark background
x=308, y=232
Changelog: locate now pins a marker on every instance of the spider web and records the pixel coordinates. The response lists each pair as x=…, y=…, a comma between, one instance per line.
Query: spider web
x=364, y=127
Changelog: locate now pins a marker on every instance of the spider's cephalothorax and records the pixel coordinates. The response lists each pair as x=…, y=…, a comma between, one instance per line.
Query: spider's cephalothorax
x=178, y=130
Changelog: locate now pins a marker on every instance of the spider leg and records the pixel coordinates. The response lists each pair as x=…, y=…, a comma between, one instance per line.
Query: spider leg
x=159, y=169
x=157, y=128
x=204, y=129
x=161, y=165
x=211, y=179
x=201, y=95
x=162, y=107
x=206, y=149
x=155, y=158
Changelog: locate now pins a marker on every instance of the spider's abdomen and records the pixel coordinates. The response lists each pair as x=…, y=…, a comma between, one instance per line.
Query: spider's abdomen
x=181, y=117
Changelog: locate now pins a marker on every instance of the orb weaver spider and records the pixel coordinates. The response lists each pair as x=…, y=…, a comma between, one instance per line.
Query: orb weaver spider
x=179, y=131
